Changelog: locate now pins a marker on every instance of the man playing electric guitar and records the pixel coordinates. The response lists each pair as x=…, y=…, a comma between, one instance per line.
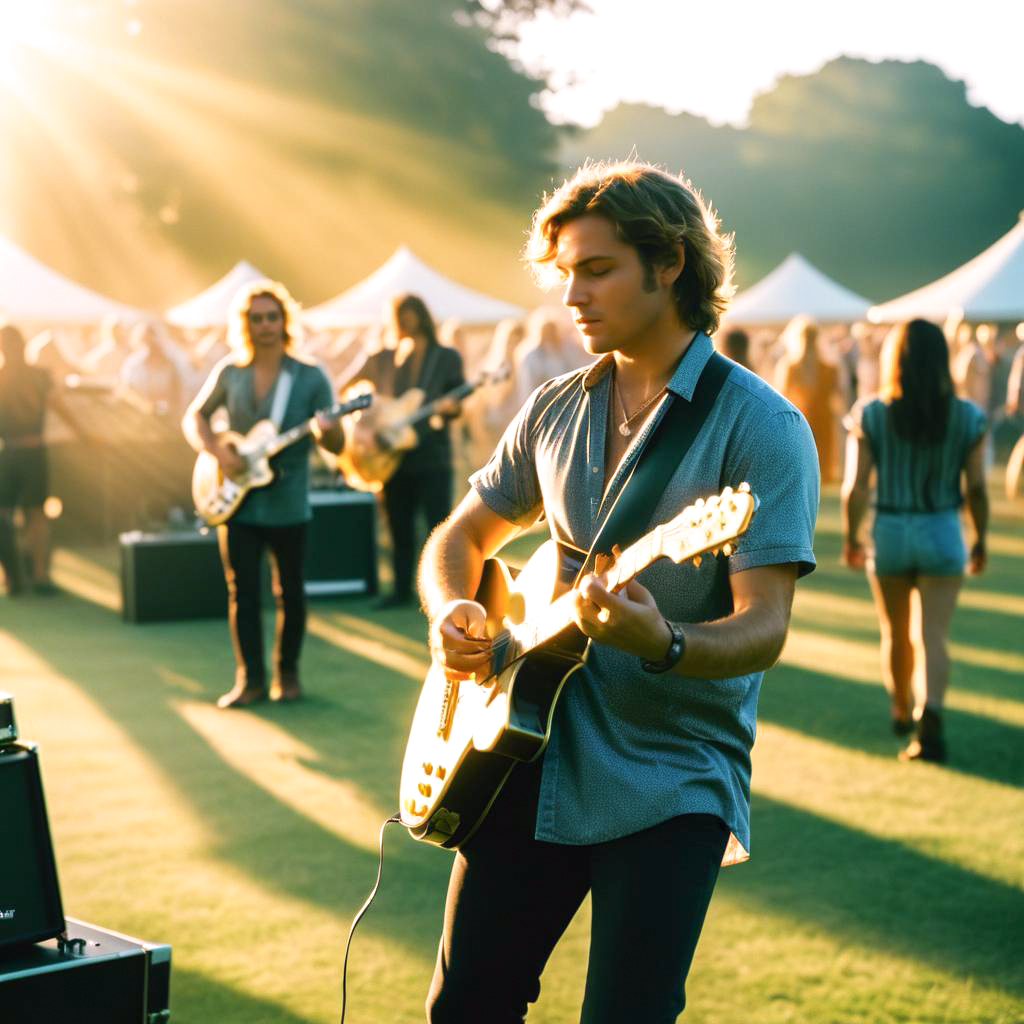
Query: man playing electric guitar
x=643, y=790
x=423, y=480
x=264, y=380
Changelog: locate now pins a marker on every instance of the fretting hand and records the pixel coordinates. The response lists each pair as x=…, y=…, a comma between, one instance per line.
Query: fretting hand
x=627, y=619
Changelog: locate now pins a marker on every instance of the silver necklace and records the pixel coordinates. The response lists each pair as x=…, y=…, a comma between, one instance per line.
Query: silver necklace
x=624, y=427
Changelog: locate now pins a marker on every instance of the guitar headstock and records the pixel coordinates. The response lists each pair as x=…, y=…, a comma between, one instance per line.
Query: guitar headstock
x=363, y=401
x=710, y=524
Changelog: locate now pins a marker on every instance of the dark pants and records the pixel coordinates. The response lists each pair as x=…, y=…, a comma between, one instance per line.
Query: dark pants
x=406, y=494
x=241, y=550
x=511, y=897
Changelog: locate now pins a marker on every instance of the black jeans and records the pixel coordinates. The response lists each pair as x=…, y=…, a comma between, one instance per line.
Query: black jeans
x=241, y=550
x=511, y=897
x=407, y=493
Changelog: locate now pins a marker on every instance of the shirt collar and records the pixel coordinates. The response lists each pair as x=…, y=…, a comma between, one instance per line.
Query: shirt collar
x=686, y=375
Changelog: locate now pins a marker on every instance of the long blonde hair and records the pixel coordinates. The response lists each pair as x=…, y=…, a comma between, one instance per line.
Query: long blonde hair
x=239, y=337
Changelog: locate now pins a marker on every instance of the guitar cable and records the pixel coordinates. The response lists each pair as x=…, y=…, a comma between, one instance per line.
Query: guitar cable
x=395, y=819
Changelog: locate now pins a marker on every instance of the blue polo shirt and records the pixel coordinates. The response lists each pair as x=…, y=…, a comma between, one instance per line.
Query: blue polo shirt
x=628, y=749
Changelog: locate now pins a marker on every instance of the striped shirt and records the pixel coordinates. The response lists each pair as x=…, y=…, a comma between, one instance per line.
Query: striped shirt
x=915, y=477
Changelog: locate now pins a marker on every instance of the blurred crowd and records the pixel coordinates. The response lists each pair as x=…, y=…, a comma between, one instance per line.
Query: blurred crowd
x=130, y=383
x=824, y=370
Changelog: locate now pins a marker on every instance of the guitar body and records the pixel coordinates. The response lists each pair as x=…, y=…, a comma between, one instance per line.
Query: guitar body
x=377, y=440
x=466, y=737
x=217, y=497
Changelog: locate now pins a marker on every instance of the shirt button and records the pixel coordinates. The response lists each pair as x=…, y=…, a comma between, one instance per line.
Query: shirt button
x=593, y=469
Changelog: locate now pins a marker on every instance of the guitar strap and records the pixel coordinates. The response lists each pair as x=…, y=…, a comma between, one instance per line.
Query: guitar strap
x=282, y=392
x=664, y=450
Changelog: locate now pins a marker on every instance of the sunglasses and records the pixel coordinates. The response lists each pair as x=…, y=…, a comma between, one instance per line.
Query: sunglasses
x=271, y=318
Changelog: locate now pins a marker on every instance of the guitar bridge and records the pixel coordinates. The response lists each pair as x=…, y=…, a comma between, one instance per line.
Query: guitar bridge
x=451, y=695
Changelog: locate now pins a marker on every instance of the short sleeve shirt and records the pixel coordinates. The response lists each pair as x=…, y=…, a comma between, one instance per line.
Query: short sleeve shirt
x=629, y=749
x=23, y=402
x=285, y=501
x=914, y=477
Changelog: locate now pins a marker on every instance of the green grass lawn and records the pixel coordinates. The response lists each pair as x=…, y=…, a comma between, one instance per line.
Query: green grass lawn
x=877, y=891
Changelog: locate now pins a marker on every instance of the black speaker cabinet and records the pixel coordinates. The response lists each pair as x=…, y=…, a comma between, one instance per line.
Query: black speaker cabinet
x=96, y=977
x=30, y=906
x=168, y=576
x=341, y=549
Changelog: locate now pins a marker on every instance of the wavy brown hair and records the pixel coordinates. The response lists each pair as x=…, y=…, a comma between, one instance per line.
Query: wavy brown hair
x=653, y=212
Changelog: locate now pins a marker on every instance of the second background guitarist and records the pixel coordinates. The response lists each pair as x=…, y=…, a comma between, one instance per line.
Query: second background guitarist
x=423, y=481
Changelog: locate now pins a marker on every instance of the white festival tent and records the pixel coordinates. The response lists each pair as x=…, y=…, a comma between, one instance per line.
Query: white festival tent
x=796, y=286
x=363, y=304
x=32, y=293
x=988, y=287
x=210, y=307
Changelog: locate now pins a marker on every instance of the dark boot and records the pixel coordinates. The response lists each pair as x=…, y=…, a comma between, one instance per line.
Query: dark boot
x=285, y=686
x=928, y=744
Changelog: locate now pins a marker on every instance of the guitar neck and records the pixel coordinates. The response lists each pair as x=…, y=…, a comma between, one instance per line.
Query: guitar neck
x=428, y=410
x=289, y=437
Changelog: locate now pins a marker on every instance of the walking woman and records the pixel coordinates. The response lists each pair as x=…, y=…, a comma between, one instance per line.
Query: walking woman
x=920, y=439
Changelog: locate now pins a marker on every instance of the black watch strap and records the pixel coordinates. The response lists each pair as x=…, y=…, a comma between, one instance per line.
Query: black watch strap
x=676, y=649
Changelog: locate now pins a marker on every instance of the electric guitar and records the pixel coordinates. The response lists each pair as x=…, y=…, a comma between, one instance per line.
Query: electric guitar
x=376, y=443
x=217, y=496
x=467, y=736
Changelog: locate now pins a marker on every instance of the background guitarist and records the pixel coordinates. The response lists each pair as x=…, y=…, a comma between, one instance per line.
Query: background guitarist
x=262, y=330
x=423, y=481
x=643, y=790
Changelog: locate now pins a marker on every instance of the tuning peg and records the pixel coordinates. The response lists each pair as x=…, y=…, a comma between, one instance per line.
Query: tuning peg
x=699, y=503
x=727, y=550
x=744, y=488
x=727, y=493
x=696, y=561
x=714, y=551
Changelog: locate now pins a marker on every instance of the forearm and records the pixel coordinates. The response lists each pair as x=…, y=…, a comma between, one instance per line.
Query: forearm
x=747, y=641
x=977, y=507
x=198, y=432
x=450, y=568
x=854, y=506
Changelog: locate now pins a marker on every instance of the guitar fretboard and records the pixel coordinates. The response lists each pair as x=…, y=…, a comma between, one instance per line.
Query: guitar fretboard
x=282, y=441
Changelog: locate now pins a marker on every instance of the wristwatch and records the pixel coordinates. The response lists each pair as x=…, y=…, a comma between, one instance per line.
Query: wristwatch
x=676, y=649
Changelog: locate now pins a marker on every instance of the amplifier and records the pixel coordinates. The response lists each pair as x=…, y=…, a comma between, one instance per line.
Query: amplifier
x=167, y=576
x=341, y=549
x=178, y=575
x=30, y=906
x=94, y=976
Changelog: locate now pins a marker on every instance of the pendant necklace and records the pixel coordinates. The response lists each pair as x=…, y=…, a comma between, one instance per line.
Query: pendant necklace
x=625, y=426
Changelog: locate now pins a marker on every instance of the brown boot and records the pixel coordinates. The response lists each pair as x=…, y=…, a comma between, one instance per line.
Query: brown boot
x=285, y=687
x=242, y=695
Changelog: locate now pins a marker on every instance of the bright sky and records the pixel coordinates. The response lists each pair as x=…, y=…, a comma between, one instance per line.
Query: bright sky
x=712, y=58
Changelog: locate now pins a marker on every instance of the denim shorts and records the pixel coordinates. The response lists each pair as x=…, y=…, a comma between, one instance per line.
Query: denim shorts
x=929, y=543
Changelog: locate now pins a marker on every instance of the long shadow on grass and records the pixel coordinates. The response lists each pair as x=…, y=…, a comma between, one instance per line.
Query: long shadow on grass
x=118, y=666
x=218, y=1002
x=854, y=715
x=881, y=894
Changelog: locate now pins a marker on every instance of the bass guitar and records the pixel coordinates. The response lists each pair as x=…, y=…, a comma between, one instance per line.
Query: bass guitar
x=466, y=737
x=217, y=496
x=376, y=443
